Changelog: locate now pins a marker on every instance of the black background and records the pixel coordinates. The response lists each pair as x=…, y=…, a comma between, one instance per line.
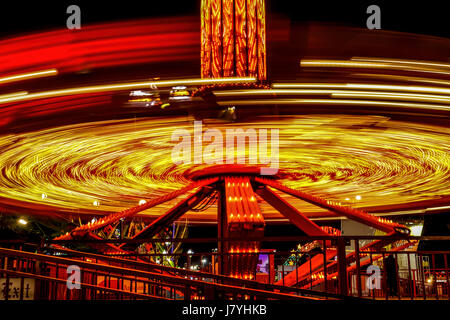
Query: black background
x=424, y=17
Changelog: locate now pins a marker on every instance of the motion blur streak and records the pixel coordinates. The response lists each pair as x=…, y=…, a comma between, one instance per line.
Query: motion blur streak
x=30, y=75
x=343, y=93
x=123, y=86
x=372, y=65
x=120, y=162
x=335, y=102
x=402, y=78
x=406, y=62
x=363, y=85
x=15, y=94
x=51, y=105
x=102, y=45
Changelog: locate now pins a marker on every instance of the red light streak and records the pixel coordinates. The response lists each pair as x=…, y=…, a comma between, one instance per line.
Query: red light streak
x=102, y=45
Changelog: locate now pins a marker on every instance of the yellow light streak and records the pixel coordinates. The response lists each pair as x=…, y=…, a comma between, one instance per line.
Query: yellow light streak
x=309, y=85
x=369, y=65
x=14, y=94
x=125, y=86
x=29, y=75
x=398, y=88
x=403, y=61
x=395, y=96
x=342, y=63
x=367, y=86
x=337, y=93
x=402, y=78
x=334, y=102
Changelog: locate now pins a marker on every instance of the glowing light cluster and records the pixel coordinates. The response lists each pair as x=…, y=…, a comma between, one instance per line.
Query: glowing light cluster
x=331, y=231
x=242, y=260
x=242, y=208
x=116, y=164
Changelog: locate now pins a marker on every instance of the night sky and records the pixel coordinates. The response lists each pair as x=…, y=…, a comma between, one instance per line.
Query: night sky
x=428, y=17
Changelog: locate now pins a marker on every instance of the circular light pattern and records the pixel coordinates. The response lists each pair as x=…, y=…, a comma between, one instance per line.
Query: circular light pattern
x=107, y=166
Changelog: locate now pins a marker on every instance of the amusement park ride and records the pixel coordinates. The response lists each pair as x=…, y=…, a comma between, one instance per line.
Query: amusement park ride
x=233, y=44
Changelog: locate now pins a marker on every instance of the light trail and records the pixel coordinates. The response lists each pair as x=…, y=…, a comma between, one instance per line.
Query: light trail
x=102, y=45
x=338, y=93
x=124, y=86
x=14, y=94
x=380, y=64
x=29, y=75
x=332, y=102
x=404, y=62
x=422, y=89
x=390, y=77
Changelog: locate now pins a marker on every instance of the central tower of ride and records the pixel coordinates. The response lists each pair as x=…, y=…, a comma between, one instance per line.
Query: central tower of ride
x=233, y=38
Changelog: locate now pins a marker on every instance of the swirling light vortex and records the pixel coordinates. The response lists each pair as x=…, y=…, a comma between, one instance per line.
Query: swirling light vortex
x=107, y=166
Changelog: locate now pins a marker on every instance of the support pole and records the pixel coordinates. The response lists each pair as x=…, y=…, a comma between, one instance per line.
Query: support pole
x=342, y=271
x=222, y=232
x=358, y=267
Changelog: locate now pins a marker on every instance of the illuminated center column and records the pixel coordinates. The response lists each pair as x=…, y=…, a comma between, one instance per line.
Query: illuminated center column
x=233, y=38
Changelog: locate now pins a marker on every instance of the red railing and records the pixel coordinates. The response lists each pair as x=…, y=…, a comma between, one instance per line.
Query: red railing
x=322, y=271
x=104, y=277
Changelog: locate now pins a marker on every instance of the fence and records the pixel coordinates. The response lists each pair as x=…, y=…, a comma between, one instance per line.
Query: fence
x=103, y=277
x=332, y=268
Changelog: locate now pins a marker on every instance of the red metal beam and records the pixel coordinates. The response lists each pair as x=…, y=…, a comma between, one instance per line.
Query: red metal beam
x=134, y=210
x=348, y=212
x=304, y=270
x=295, y=216
x=174, y=213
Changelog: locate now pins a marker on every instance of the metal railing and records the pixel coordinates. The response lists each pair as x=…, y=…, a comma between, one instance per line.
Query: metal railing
x=403, y=273
x=105, y=279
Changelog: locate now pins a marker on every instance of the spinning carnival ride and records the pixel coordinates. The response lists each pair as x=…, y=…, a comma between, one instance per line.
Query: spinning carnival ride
x=333, y=152
x=238, y=189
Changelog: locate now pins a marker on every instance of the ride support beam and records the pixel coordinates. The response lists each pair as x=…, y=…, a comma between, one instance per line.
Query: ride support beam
x=174, y=213
x=244, y=220
x=348, y=212
x=222, y=231
x=294, y=216
x=115, y=217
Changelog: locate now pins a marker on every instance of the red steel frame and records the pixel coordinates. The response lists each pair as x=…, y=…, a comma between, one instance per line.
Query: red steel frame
x=239, y=218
